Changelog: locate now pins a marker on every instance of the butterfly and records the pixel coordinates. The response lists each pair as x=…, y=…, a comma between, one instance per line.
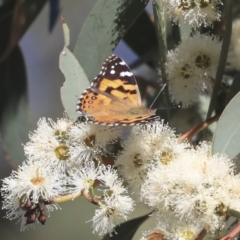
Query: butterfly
x=114, y=98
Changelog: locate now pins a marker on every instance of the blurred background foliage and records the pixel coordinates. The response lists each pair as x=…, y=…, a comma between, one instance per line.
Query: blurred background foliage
x=31, y=40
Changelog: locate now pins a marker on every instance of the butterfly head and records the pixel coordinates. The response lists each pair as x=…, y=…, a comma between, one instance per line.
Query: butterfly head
x=138, y=111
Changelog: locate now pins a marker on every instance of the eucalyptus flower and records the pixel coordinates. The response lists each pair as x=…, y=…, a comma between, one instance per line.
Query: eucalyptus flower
x=29, y=191
x=49, y=144
x=194, y=12
x=191, y=68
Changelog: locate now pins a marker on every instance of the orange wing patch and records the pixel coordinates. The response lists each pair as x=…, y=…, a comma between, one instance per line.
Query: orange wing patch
x=119, y=88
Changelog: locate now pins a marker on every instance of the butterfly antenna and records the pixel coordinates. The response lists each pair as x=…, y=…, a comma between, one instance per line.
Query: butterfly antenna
x=169, y=107
x=158, y=95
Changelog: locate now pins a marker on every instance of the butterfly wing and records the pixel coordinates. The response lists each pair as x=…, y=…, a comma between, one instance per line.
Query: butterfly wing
x=112, y=94
x=116, y=79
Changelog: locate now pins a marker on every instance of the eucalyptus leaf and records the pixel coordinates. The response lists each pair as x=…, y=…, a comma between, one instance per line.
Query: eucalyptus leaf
x=14, y=108
x=75, y=77
x=160, y=25
x=226, y=138
x=126, y=230
x=104, y=27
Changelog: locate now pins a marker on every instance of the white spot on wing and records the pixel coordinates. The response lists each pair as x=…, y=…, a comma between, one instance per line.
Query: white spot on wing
x=123, y=74
x=112, y=71
x=122, y=63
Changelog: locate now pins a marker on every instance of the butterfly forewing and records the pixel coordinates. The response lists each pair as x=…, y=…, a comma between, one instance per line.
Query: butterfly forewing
x=116, y=79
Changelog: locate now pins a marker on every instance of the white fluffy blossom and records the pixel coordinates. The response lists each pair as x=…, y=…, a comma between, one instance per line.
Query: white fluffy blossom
x=106, y=218
x=32, y=181
x=191, y=68
x=115, y=204
x=29, y=188
x=147, y=146
x=195, y=12
x=49, y=144
x=83, y=178
x=90, y=140
x=111, y=213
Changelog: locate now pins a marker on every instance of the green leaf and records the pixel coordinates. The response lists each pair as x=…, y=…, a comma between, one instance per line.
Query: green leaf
x=75, y=78
x=160, y=25
x=226, y=138
x=14, y=109
x=15, y=18
x=126, y=230
x=105, y=26
x=222, y=59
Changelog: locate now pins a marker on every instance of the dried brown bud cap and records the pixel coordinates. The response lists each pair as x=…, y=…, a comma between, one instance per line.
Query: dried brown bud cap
x=42, y=219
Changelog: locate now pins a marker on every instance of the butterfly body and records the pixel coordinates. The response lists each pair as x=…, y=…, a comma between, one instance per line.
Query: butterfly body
x=114, y=98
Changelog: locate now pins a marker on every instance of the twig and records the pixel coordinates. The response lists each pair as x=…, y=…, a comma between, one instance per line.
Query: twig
x=199, y=128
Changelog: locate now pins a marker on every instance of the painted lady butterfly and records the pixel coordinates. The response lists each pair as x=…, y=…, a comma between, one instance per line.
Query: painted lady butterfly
x=114, y=98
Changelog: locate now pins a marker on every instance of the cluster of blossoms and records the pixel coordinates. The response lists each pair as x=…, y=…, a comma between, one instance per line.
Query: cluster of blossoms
x=188, y=188
x=65, y=159
x=180, y=183
x=191, y=68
